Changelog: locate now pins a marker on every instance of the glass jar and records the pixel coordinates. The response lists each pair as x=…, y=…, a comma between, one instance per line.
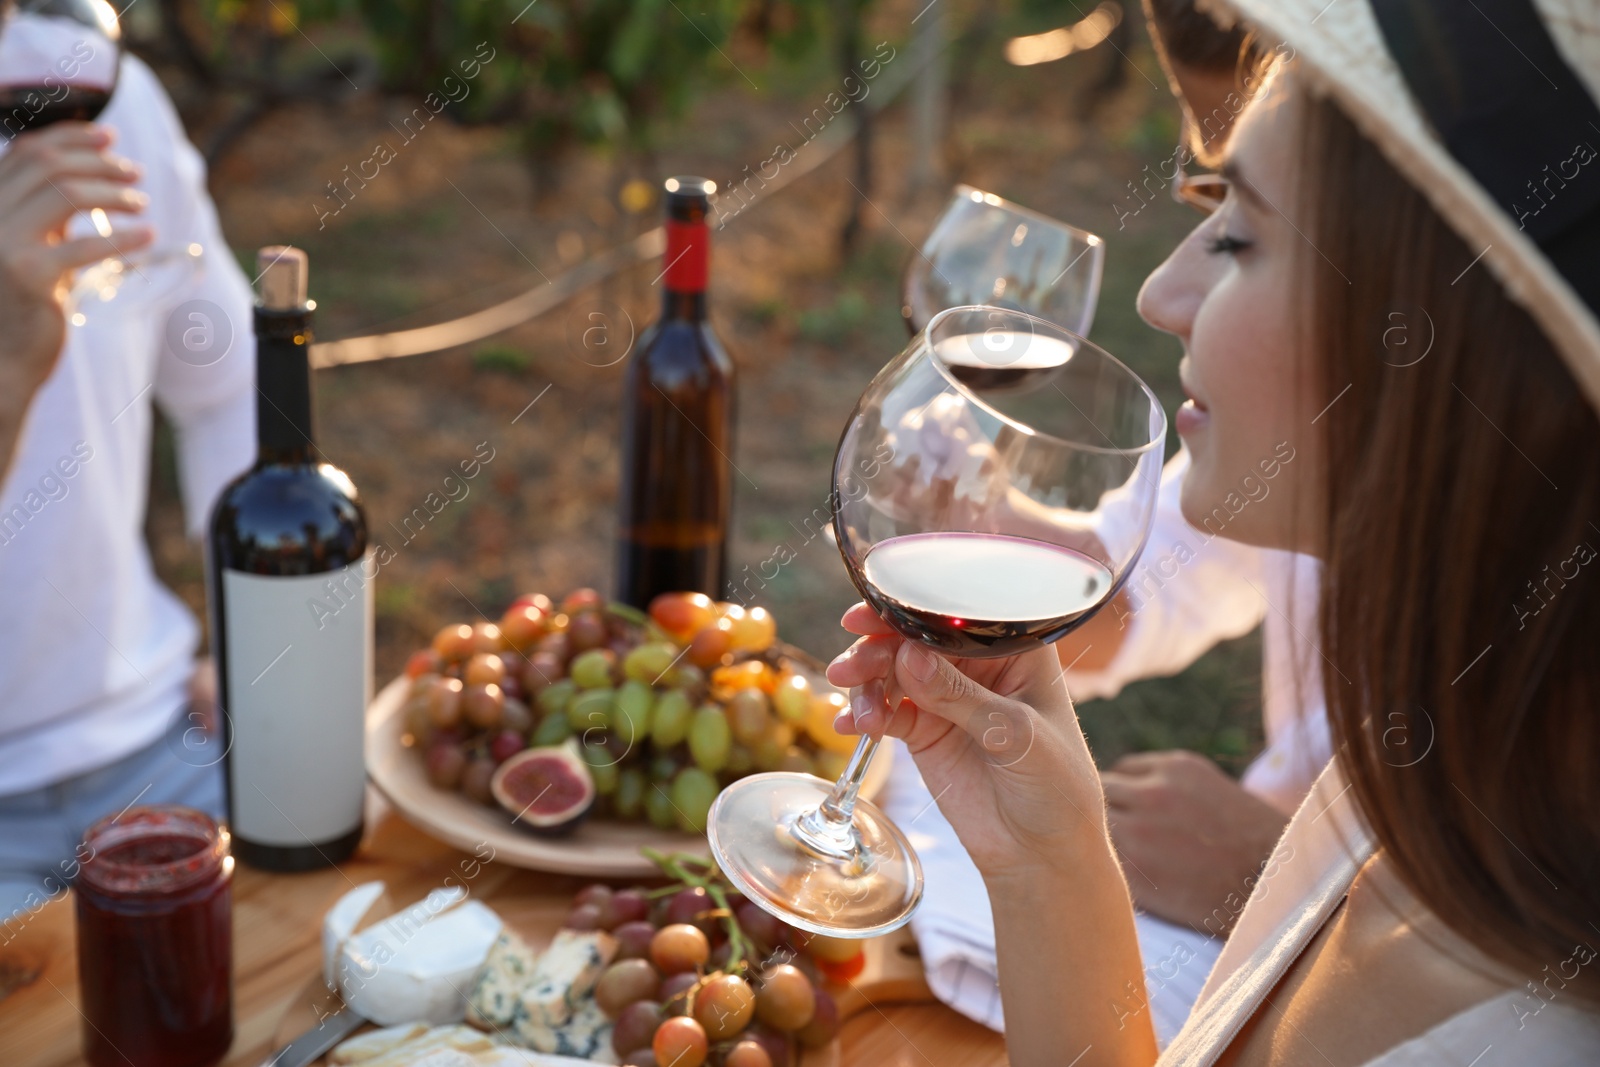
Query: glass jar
x=155, y=939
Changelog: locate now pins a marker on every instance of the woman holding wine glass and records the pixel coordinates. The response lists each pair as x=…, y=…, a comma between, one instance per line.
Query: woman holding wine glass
x=1434, y=899
x=97, y=657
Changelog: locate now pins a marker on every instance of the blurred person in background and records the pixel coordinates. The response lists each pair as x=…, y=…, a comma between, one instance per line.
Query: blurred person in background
x=97, y=657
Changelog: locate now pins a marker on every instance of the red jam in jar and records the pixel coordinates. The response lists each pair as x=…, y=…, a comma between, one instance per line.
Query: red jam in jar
x=155, y=939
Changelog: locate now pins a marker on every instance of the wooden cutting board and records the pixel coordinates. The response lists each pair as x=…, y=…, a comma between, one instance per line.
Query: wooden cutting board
x=893, y=972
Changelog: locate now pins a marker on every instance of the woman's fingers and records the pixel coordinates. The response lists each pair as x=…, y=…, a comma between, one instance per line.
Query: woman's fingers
x=870, y=657
x=861, y=619
x=937, y=686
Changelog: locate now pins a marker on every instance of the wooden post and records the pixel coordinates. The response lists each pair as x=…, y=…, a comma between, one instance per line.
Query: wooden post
x=928, y=95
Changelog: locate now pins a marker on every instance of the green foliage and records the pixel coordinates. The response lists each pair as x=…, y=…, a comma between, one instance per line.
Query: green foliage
x=832, y=325
x=562, y=72
x=585, y=71
x=500, y=357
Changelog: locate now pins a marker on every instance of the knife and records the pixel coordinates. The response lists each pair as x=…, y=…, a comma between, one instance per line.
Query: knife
x=311, y=1045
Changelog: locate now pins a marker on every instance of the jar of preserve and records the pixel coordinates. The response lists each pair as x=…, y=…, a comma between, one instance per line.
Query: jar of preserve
x=155, y=939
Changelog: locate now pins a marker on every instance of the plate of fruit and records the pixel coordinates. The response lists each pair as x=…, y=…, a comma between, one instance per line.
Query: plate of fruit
x=685, y=974
x=570, y=735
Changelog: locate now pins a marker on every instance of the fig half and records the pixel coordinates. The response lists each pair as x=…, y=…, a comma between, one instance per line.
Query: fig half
x=549, y=790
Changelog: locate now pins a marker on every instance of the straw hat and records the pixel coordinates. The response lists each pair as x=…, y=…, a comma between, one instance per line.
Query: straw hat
x=1544, y=97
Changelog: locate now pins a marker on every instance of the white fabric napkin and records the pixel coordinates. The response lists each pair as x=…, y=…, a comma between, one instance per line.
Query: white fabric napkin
x=954, y=927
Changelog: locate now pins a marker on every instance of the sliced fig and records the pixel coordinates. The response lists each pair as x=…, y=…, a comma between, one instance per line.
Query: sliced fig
x=549, y=790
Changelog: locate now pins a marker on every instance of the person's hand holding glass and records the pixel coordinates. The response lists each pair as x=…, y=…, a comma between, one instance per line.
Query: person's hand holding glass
x=1022, y=464
x=59, y=63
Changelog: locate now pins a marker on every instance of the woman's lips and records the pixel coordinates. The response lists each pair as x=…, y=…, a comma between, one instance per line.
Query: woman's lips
x=1190, y=418
x=1193, y=415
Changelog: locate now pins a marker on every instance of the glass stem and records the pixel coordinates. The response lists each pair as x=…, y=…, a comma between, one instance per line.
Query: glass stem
x=827, y=828
x=840, y=806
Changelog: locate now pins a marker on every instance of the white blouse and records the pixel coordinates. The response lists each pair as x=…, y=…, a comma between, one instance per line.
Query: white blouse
x=1305, y=880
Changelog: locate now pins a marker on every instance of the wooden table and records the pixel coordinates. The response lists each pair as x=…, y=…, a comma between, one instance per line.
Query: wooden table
x=277, y=949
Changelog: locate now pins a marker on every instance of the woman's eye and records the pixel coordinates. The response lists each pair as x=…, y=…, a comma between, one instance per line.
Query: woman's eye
x=1224, y=245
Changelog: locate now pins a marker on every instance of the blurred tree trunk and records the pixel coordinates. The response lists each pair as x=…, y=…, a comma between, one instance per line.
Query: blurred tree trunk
x=850, y=56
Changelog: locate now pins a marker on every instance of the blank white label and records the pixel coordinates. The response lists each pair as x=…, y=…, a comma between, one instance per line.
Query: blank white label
x=299, y=681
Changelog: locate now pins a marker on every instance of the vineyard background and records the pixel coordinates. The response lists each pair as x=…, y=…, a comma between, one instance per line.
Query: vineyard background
x=549, y=128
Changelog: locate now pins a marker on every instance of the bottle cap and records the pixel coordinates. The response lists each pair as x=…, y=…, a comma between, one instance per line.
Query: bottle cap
x=689, y=198
x=282, y=271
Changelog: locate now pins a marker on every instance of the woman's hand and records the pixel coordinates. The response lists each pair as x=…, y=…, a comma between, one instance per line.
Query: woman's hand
x=998, y=743
x=996, y=740
x=46, y=177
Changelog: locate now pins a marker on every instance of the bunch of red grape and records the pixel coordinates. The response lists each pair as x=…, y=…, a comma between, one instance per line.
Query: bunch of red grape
x=677, y=998
x=668, y=707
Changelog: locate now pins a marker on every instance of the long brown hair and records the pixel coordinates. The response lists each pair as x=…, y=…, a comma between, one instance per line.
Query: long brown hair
x=1461, y=599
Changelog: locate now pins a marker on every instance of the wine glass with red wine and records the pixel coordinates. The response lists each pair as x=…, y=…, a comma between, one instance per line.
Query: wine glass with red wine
x=991, y=492
x=58, y=62
x=985, y=250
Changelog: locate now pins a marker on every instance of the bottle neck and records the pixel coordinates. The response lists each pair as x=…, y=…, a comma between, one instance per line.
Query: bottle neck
x=686, y=307
x=687, y=265
x=284, y=432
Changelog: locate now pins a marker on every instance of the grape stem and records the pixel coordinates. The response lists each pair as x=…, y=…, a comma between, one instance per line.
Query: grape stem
x=678, y=865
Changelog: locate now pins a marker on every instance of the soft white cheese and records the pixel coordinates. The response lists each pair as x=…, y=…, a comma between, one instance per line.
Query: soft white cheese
x=456, y=1039
x=418, y=965
x=445, y=1057
x=375, y=1043
x=341, y=921
x=502, y=1056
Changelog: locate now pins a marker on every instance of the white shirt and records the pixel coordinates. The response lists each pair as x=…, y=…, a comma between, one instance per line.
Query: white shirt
x=1302, y=884
x=1193, y=588
x=94, y=650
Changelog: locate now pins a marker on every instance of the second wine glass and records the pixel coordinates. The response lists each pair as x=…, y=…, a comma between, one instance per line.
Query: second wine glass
x=986, y=250
x=992, y=491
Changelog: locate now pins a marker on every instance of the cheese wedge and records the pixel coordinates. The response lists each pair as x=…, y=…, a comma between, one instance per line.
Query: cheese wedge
x=506, y=972
x=455, y=1039
x=341, y=921
x=417, y=966
x=374, y=1043
x=586, y=1035
x=563, y=976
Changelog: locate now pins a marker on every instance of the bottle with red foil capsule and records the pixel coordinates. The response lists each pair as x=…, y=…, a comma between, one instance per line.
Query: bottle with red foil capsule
x=677, y=425
x=155, y=939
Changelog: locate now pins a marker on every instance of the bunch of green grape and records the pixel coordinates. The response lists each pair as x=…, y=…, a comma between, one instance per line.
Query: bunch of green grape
x=667, y=707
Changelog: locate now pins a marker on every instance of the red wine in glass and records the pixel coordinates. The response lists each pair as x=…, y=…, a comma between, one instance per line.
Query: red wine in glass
x=33, y=107
x=982, y=594
x=980, y=522
x=1004, y=360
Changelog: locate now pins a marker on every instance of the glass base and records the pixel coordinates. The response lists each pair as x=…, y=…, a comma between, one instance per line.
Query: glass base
x=857, y=881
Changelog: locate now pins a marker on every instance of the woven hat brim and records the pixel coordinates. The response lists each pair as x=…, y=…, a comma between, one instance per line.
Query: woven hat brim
x=1340, y=47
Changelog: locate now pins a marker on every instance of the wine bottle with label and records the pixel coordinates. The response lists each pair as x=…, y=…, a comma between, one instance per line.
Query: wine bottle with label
x=677, y=425
x=290, y=584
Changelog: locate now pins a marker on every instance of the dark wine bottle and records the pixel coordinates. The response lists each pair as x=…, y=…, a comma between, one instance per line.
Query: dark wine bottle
x=291, y=611
x=677, y=426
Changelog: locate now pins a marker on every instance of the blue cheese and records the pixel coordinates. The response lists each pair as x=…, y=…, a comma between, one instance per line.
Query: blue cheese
x=506, y=972
x=586, y=1035
x=564, y=975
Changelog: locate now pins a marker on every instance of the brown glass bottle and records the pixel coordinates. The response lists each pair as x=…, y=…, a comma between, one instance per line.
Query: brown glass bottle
x=677, y=425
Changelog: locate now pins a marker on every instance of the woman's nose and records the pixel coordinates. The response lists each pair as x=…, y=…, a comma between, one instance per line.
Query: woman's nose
x=1172, y=294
